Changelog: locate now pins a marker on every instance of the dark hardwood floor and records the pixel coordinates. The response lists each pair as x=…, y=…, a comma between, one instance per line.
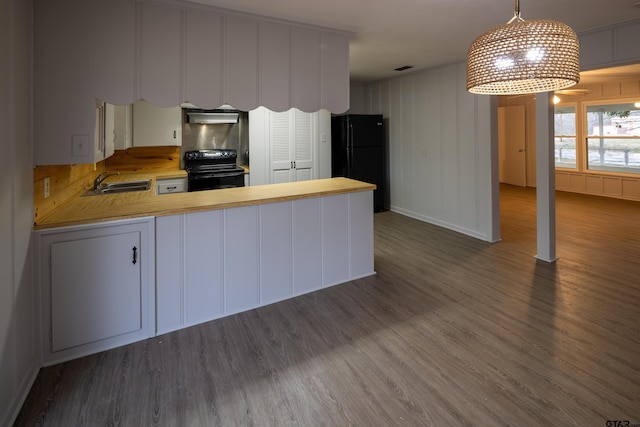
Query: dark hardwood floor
x=451, y=331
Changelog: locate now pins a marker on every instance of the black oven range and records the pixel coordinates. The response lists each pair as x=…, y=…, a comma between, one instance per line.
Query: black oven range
x=211, y=169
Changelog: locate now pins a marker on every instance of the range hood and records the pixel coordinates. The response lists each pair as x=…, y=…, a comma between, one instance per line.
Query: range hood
x=218, y=116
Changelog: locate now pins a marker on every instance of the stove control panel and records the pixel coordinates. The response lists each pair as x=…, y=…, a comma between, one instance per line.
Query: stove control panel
x=212, y=154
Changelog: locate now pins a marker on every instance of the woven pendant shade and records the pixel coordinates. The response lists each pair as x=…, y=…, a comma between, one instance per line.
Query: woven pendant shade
x=523, y=57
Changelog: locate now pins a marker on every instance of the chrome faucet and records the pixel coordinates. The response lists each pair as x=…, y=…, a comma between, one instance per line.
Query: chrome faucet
x=102, y=177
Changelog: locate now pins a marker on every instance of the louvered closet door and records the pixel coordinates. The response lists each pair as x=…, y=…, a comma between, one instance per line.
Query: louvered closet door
x=279, y=135
x=303, y=145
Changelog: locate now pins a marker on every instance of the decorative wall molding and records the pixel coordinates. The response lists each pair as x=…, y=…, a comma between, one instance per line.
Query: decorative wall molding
x=618, y=187
x=610, y=46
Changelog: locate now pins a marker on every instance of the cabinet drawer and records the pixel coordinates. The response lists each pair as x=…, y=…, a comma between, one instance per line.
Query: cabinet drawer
x=173, y=185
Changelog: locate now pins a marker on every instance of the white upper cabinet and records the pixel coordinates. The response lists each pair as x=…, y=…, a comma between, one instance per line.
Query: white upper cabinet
x=240, y=63
x=167, y=53
x=305, y=50
x=202, y=56
x=64, y=109
x=159, y=57
x=156, y=126
x=275, y=66
x=105, y=142
x=122, y=126
x=333, y=79
x=112, y=53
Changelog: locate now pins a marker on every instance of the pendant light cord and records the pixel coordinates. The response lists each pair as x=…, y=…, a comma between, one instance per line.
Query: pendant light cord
x=516, y=13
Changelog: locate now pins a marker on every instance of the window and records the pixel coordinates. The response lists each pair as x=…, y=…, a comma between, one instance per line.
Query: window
x=613, y=137
x=565, y=136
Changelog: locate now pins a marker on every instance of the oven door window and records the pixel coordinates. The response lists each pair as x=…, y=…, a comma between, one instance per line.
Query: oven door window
x=215, y=181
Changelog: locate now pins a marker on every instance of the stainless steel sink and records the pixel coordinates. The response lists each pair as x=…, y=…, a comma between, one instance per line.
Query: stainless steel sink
x=120, y=187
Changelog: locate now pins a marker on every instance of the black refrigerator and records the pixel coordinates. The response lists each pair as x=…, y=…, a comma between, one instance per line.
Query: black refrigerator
x=358, y=151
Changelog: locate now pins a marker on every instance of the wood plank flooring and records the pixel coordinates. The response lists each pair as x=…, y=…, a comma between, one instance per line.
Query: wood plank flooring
x=451, y=331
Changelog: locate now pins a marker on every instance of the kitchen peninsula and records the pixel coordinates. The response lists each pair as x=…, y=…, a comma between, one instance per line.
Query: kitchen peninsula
x=115, y=269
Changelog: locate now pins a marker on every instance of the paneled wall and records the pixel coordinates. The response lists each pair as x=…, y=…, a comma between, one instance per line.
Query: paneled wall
x=18, y=361
x=610, y=46
x=610, y=184
x=623, y=186
x=441, y=144
x=439, y=137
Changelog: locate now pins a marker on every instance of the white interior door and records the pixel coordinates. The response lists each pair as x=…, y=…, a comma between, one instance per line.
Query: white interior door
x=303, y=145
x=280, y=142
x=511, y=145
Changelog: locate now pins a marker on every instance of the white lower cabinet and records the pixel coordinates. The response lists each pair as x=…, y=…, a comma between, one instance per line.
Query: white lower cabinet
x=276, y=251
x=241, y=259
x=109, y=284
x=335, y=240
x=215, y=263
x=96, y=287
x=307, y=246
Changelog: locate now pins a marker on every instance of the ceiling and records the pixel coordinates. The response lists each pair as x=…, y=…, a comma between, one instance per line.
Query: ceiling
x=425, y=33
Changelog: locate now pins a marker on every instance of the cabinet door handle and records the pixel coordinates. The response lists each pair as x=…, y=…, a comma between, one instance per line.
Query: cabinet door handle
x=174, y=134
x=135, y=255
x=291, y=165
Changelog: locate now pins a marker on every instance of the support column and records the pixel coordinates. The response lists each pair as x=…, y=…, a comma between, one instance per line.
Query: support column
x=545, y=178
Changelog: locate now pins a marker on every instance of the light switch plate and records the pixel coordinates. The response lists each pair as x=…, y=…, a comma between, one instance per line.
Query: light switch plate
x=80, y=145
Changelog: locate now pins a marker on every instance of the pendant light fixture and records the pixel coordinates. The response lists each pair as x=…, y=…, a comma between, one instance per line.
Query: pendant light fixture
x=523, y=57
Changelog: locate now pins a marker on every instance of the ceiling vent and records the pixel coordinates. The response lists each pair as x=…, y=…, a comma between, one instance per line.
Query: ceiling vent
x=404, y=67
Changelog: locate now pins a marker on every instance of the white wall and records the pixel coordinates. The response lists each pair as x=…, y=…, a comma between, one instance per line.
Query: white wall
x=323, y=150
x=442, y=142
x=18, y=365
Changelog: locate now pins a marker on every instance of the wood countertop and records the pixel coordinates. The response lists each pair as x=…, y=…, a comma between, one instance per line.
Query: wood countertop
x=110, y=207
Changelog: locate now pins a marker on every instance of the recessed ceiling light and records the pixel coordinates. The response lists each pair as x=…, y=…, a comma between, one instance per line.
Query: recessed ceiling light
x=404, y=67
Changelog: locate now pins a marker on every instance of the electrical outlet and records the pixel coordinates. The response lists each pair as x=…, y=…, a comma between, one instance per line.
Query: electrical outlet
x=47, y=187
